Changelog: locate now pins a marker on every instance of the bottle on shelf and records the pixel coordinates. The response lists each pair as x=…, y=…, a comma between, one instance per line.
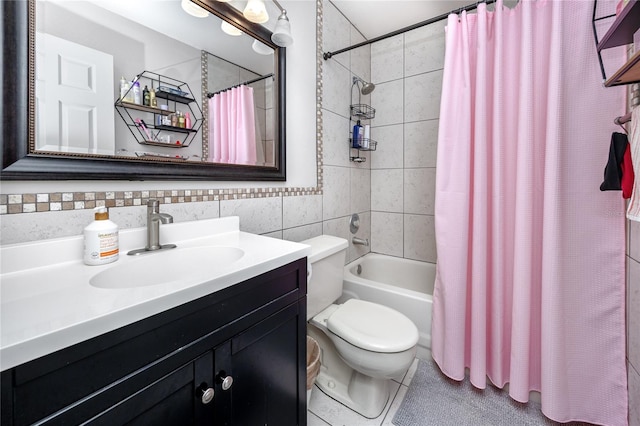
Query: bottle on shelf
x=174, y=119
x=124, y=89
x=366, y=136
x=146, y=99
x=181, y=120
x=153, y=101
x=136, y=93
x=357, y=135
x=187, y=120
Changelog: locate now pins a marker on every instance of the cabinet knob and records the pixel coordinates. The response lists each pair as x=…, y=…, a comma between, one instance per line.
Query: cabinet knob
x=205, y=393
x=226, y=381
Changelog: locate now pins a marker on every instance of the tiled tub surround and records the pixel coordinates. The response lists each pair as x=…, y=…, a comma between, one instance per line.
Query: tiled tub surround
x=407, y=71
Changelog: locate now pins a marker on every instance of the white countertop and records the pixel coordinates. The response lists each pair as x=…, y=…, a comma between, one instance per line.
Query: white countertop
x=47, y=303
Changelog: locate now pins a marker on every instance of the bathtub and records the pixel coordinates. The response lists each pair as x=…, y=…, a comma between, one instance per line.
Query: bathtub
x=401, y=284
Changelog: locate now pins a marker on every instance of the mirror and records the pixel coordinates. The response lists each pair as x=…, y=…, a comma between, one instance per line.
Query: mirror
x=173, y=138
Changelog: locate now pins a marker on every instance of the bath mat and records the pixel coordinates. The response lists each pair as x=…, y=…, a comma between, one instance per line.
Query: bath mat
x=434, y=399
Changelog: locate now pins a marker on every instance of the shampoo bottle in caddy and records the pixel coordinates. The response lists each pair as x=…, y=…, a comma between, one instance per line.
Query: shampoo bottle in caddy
x=101, y=239
x=357, y=135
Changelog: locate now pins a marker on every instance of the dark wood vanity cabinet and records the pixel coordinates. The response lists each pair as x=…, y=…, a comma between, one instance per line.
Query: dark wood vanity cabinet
x=234, y=357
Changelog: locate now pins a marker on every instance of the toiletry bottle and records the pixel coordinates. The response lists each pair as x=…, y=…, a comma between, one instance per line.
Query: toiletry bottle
x=153, y=101
x=357, y=135
x=187, y=120
x=174, y=119
x=136, y=93
x=146, y=98
x=181, y=121
x=124, y=88
x=101, y=239
x=366, y=136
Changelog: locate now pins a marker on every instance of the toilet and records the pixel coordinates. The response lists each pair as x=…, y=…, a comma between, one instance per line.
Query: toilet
x=363, y=345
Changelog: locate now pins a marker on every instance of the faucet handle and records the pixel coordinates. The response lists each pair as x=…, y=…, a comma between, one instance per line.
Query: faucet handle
x=152, y=202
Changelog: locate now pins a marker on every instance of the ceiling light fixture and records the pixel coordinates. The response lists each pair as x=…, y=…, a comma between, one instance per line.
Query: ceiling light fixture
x=193, y=9
x=230, y=29
x=256, y=11
x=282, y=33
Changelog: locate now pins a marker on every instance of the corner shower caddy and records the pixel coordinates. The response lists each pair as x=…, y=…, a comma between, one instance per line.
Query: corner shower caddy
x=175, y=93
x=361, y=112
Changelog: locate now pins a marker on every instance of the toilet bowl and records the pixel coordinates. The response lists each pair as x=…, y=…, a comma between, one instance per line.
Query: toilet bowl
x=363, y=345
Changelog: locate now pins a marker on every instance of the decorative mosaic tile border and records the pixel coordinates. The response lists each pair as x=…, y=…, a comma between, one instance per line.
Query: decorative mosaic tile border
x=60, y=201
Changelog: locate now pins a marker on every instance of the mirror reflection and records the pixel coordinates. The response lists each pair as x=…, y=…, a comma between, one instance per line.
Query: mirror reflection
x=146, y=80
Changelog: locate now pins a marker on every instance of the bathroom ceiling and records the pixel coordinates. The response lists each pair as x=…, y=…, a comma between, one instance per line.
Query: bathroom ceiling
x=377, y=17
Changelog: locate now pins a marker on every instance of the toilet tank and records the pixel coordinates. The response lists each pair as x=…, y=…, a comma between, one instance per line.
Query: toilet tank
x=324, y=273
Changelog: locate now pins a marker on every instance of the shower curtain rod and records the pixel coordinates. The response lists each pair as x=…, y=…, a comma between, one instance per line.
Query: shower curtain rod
x=209, y=95
x=444, y=16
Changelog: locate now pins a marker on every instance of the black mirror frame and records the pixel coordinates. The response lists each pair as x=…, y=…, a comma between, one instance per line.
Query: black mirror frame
x=17, y=116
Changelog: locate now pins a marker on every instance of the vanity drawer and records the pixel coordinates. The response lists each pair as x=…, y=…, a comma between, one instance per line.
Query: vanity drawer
x=148, y=349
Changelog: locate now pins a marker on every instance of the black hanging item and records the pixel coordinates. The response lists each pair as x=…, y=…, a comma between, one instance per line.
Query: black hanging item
x=613, y=169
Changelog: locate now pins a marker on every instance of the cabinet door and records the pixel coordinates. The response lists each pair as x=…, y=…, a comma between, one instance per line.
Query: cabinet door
x=175, y=399
x=264, y=362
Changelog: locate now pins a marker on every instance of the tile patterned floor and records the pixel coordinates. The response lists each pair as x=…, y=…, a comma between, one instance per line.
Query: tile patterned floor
x=324, y=411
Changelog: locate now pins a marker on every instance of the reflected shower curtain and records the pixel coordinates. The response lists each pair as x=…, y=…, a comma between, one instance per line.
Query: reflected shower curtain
x=232, y=131
x=530, y=276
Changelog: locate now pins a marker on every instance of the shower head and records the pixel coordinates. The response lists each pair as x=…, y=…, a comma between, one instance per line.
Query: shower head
x=366, y=87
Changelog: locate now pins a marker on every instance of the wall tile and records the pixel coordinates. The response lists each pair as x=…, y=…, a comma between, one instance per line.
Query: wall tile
x=424, y=49
x=386, y=190
x=275, y=234
x=387, y=100
x=335, y=141
x=183, y=212
x=634, y=239
x=419, y=238
x=360, y=190
x=338, y=227
x=633, y=313
x=336, y=33
x=387, y=59
x=360, y=57
x=389, y=154
x=422, y=96
x=387, y=233
x=419, y=190
x=364, y=232
x=19, y=228
x=421, y=143
x=336, y=84
x=257, y=215
x=336, y=192
x=301, y=210
x=301, y=233
x=633, y=377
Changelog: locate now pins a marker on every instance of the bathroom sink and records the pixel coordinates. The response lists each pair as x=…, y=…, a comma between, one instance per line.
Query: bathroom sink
x=167, y=266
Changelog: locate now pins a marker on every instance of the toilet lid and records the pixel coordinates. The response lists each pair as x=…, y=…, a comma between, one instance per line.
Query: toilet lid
x=373, y=327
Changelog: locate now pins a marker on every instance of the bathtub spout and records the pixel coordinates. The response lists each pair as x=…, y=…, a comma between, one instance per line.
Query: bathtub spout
x=360, y=241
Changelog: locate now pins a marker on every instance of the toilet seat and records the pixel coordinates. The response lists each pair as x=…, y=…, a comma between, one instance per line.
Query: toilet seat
x=373, y=327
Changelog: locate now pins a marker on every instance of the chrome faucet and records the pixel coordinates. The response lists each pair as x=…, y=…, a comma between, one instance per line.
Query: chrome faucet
x=154, y=218
x=360, y=241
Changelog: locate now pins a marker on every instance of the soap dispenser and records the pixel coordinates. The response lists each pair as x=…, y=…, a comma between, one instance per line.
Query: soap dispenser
x=101, y=239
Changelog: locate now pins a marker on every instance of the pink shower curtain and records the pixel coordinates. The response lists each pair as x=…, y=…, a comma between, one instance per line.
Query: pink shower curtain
x=531, y=269
x=232, y=131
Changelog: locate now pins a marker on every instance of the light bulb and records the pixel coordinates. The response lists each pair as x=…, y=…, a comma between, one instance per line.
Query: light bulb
x=193, y=9
x=282, y=33
x=256, y=11
x=230, y=29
